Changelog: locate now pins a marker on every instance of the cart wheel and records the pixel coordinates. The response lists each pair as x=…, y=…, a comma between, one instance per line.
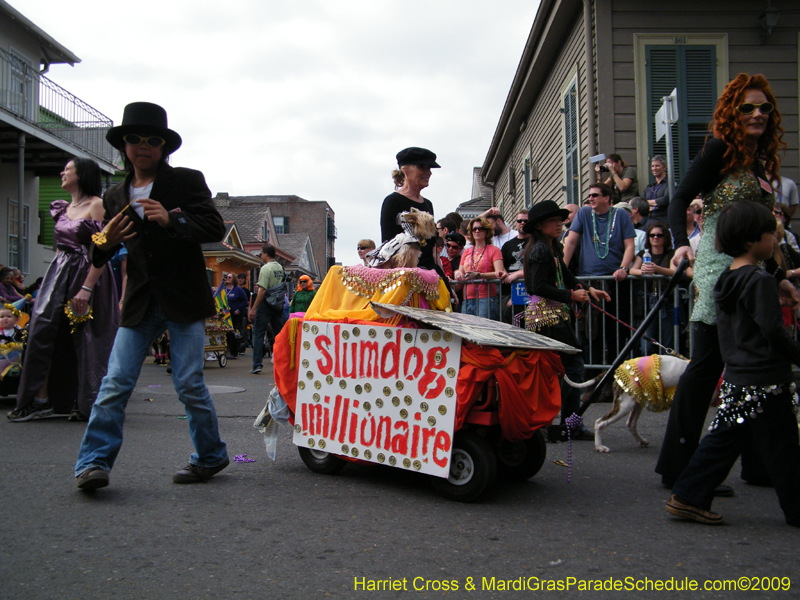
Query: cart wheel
x=519, y=461
x=322, y=462
x=473, y=469
x=223, y=359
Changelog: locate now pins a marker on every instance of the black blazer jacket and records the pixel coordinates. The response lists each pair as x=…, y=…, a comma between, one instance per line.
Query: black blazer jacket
x=167, y=262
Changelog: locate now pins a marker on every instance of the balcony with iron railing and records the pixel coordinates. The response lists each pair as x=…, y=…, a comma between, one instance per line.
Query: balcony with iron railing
x=44, y=104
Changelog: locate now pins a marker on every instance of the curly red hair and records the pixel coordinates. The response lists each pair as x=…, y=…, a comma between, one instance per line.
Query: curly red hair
x=727, y=126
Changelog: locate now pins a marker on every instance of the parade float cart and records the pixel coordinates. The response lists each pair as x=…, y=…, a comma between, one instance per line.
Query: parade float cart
x=457, y=397
x=216, y=340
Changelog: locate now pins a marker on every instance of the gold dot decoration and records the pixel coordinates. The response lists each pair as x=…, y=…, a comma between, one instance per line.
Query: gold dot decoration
x=367, y=406
x=381, y=457
x=436, y=336
x=379, y=402
x=310, y=442
x=307, y=345
x=406, y=462
x=309, y=374
x=297, y=427
x=329, y=379
x=321, y=444
x=345, y=448
x=356, y=331
x=442, y=409
x=417, y=465
x=408, y=338
x=395, y=400
x=306, y=327
x=317, y=385
x=315, y=397
x=403, y=413
x=342, y=383
x=399, y=385
x=359, y=389
x=392, y=460
x=451, y=372
x=424, y=338
x=354, y=451
x=345, y=335
x=438, y=357
x=423, y=406
x=367, y=454
x=305, y=363
x=314, y=329
x=372, y=333
x=387, y=390
x=408, y=400
x=447, y=336
x=368, y=387
x=388, y=333
x=449, y=392
x=301, y=384
x=431, y=420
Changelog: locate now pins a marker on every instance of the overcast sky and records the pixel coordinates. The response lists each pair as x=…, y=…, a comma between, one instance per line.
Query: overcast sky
x=312, y=98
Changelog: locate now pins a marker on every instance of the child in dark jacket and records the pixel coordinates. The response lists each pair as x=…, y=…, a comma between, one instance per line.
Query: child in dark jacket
x=758, y=399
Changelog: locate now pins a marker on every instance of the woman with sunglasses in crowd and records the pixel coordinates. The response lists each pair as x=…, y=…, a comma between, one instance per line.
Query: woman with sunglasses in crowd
x=481, y=261
x=364, y=247
x=746, y=136
x=62, y=371
x=658, y=243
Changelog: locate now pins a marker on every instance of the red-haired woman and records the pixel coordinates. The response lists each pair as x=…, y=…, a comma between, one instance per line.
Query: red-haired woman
x=746, y=137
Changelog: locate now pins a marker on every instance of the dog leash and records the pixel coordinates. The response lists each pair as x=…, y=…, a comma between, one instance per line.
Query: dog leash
x=669, y=351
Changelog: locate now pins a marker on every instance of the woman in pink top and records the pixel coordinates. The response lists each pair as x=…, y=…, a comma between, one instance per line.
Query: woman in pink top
x=479, y=262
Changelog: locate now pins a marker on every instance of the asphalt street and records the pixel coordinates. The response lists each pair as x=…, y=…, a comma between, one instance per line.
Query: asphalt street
x=268, y=529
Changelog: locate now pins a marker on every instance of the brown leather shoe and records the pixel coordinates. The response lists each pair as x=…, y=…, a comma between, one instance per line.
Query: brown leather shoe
x=92, y=479
x=194, y=474
x=677, y=507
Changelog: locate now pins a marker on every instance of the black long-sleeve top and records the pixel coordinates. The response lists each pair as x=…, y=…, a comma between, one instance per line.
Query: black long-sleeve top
x=541, y=276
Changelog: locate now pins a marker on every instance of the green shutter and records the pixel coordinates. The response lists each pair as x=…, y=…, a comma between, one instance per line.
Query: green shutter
x=572, y=183
x=692, y=70
x=49, y=190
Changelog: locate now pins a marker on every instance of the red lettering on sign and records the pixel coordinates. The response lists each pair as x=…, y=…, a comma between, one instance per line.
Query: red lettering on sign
x=315, y=419
x=400, y=440
x=385, y=427
x=322, y=343
x=369, y=359
x=336, y=371
x=337, y=405
x=304, y=417
x=365, y=441
x=442, y=442
x=414, y=440
x=354, y=367
x=437, y=379
x=416, y=354
x=391, y=351
x=427, y=434
x=353, y=428
x=343, y=426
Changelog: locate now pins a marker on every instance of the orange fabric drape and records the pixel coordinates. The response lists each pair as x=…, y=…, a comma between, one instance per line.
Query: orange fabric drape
x=530, y=395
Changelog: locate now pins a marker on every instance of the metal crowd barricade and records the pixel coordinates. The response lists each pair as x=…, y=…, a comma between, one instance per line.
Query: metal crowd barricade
x=596, y=330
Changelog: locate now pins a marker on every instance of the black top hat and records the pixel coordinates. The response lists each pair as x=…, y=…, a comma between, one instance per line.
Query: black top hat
x=416, y=156
x=541, y=211
x=147, y=118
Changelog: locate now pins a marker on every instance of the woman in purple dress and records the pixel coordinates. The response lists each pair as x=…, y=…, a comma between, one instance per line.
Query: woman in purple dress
x=65, y=362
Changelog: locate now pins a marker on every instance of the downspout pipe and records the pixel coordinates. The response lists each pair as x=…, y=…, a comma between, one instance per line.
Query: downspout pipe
x=591, y=123
x=20, y=172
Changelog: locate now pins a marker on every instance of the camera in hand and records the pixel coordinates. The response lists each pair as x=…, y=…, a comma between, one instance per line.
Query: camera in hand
x=604, y=169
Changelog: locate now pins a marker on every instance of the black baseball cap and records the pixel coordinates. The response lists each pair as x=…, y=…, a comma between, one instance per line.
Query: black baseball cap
x=417, y=156
x=456, y=238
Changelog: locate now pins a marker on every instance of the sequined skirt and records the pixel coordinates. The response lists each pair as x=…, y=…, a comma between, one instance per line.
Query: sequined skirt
x=741, y=402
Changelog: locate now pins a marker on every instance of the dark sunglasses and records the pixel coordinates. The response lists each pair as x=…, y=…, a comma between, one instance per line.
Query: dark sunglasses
x=656, y=235
x=151, y=140
x=454, y=246
x=699, y=211
x=364, y=248
x=476, y=229
x=522, y=220
x=595, y=195
x=748, y=108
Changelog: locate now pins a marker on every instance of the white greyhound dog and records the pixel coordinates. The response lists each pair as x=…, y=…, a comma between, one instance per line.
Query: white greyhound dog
x=648, y=381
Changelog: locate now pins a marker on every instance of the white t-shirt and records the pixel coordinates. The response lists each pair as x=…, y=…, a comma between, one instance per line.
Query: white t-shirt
x=138, y=194
x=499, y=240
x=787, y=194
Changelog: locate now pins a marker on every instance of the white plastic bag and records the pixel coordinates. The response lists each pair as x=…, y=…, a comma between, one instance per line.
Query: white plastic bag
x=276, y=411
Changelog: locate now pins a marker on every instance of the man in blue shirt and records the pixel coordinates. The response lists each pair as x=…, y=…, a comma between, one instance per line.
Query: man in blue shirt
x=606, y=237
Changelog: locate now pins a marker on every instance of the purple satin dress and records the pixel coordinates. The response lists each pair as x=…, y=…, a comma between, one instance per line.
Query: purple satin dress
x=77, y=362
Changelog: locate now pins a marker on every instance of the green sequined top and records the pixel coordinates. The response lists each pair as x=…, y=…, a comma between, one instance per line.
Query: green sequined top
x=709, y=263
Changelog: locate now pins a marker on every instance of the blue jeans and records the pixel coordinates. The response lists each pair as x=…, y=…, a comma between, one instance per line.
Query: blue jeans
x=103, y=437
x=264, y=316
x=488, y=308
